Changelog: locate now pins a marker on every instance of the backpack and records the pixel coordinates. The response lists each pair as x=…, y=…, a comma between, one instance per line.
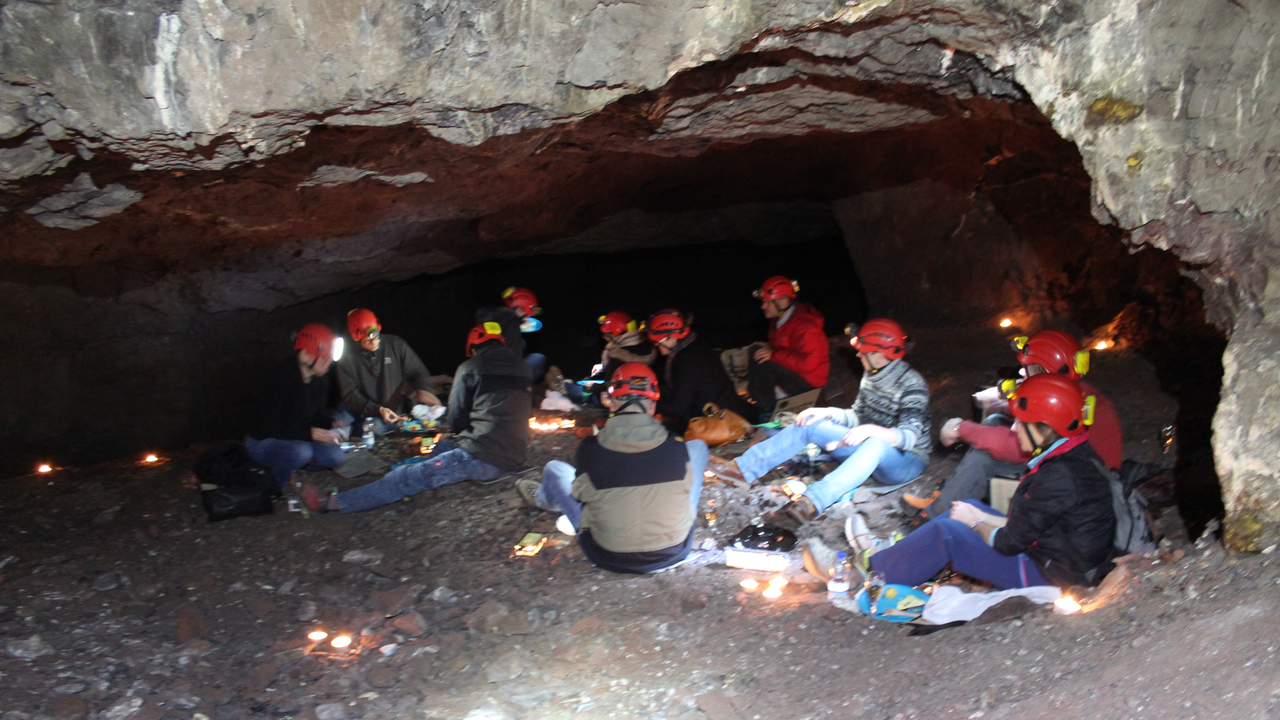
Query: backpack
x=233, y=485
x=1131, y=506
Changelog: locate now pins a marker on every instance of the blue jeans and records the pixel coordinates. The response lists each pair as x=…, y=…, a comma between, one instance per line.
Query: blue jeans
x=557, y=481
x=871, y=457
x=446, y=468
x=285, y=456
x=924, y=553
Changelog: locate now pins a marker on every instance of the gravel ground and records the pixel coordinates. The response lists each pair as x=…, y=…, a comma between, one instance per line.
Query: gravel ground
x=119, y=601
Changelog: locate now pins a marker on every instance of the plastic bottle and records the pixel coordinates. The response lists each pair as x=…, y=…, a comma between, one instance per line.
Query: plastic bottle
x=368, y=433
x=838, y=585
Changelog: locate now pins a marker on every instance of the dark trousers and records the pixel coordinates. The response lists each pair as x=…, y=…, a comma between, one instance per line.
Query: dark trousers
x=971, y=479
x=762, y=377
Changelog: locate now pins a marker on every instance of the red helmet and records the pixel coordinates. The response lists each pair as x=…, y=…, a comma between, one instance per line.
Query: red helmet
x=1053, y=400
x=881, y=335
x=667, y=322
x=523, y=298
x=1055, y=351
x=634, y=378
x=363, y=324
x=776, y=287
x=483, y=333
x=316, y=339
x=616, y=323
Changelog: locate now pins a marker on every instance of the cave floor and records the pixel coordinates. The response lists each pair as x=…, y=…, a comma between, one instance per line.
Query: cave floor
x=145, y=611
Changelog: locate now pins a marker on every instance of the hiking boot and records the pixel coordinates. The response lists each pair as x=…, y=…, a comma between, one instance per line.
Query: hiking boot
x=528, y=489
x=818, y=559
x=727, y=470
x=317, y=500
x=920, y=503
x=801, y=510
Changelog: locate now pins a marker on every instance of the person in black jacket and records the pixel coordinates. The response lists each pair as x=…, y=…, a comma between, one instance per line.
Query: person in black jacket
x=691, y=372
x=489, y=409
x=1061, y=525
x=293, y=429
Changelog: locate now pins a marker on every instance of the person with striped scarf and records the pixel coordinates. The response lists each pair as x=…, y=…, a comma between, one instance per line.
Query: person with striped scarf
x=884, y=435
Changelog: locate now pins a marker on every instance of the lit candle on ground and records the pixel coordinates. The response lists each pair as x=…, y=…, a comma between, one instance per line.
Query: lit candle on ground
x=1006, y=322
x=1102, y=345
x=44, y=469
x=150, y=458
x=341, y=641
x=772, y=592
x=317, y=635
x=750, y=584
x=777, y=582
x=1066, y=605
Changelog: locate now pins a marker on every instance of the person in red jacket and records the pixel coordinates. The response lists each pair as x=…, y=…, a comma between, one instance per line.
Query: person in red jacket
x=796, y=359
x=994, y=449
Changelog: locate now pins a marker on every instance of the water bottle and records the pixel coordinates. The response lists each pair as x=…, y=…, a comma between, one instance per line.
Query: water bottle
x=368, y=433
x=838, y=585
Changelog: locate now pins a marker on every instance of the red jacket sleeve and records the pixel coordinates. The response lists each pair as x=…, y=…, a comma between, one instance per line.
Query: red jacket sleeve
x=1000, y=441
x=807, y=356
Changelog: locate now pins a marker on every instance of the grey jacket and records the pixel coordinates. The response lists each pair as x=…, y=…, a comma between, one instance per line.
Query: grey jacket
x=489, y=407
x=383, y=378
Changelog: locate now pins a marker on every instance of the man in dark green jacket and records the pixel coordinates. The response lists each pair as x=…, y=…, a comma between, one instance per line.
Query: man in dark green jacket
x=381, y=376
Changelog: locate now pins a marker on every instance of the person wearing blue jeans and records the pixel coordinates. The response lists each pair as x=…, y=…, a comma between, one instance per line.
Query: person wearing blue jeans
x=293, y=429
x=633, y=496
x=1061, y=525
x=489, y=408
x=884, y=435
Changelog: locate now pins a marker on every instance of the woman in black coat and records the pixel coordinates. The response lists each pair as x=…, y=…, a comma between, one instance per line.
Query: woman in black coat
x=690, y=372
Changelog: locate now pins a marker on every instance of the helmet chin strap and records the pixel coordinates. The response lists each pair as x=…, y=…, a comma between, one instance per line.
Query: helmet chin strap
x=628, y=402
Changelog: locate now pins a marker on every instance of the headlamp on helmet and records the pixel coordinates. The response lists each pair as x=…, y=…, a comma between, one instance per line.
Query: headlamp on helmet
x=483, y=333
x=616, y=323
x=778, y=286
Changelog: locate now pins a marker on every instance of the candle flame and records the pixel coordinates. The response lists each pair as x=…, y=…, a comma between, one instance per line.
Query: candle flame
x=1102, y=345
x=44, y=469
x=317, y=635
x=150, y=458
x=1006, y=322
x=341, y=641
x=749, y=584
x=777, y=582
x=1067, y=605
x=772, y=593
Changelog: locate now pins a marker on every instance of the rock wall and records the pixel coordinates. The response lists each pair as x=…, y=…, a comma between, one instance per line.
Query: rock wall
x=162, y=139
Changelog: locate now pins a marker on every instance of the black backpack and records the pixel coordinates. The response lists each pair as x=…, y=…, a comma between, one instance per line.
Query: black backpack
x=1131, y=505
x=233, y=485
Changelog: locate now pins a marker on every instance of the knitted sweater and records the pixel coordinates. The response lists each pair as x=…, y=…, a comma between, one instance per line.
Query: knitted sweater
x=895, y=397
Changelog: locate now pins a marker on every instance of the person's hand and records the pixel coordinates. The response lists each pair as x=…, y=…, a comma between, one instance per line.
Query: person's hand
x=763, y=353
x=950, y=433
x=966, y=513
x=321, y=435
x=811, y=416
x=388, y=415
x=426, y=398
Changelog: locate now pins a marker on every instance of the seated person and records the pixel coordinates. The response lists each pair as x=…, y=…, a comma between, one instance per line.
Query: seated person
x=885, y=434
x=380, y=378
x=524, y=304
x=293, y=429
x=691, y=372
x=797, y=358
x=489, y=410
x=1061, y=523
x=993, y=445
x=634, y=499
x=623, y=343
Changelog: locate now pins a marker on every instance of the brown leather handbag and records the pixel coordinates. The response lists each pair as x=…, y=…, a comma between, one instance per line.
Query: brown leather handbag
x=719, y=427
